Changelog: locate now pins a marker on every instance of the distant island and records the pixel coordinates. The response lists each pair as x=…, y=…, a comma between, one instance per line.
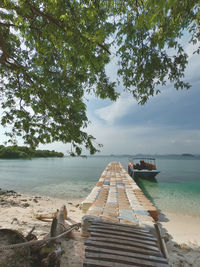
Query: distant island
x=196, y=156
x=23, y=152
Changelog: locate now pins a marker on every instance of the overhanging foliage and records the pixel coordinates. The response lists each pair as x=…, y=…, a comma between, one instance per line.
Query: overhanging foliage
x=52, y=52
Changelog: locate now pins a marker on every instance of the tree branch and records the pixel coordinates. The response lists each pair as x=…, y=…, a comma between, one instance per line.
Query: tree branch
x=104, y=48
x=7, y=24
x=3, y=48
x=57, y=23
x=44, y=15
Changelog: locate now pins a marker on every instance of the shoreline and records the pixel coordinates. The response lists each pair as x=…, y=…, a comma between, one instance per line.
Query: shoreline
x=183, y=228
x=18, y=212
x=182, y=237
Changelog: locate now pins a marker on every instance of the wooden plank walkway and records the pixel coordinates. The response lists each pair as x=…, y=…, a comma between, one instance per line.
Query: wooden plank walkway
x=121, y=236
x=107, y=247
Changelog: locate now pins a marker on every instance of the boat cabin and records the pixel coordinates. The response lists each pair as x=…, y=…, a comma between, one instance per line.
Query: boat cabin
x=142, y=167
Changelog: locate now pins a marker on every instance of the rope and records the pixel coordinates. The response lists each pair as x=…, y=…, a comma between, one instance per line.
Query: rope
x=40, y=242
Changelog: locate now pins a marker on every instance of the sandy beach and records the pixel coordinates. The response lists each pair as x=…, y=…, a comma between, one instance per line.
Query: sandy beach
x=19, y=212
x=184, y=229
x=182, y=237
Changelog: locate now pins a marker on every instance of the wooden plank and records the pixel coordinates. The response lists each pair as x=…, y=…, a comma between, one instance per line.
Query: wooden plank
x=122, y=226
x=98, y=263
x=121, y=234
x=127, y=238
x=161, y=241
x=122, y=230
x=121, y=247
x=124, y=253
x=123, y=259
x=124, y=242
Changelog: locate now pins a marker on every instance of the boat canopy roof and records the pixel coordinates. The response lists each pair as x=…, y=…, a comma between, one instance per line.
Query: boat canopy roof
x=142, y=158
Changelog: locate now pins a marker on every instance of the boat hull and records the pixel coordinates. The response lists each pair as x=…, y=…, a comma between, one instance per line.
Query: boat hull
x=146, y=174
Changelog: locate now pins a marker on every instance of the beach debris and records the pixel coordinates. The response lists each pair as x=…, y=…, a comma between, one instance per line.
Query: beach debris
x=25, y=205
x=87, y=220
x=70, y=221
x=15, y=220
x=8, y=192
x=58, y=227
x=15, y=257
x=24, y=200
x=44, y=253
x=161, y=241
x=30, y=235
x=49, y=218
x=46, y=217
x=52, y=259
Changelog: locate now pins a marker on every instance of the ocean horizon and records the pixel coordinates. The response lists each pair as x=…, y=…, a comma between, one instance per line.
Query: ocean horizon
x=176, y=190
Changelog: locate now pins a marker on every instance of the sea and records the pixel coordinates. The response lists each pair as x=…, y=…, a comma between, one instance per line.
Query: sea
x=176, y=189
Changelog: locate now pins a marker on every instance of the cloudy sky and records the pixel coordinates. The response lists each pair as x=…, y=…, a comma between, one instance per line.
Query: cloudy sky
x=168, y=123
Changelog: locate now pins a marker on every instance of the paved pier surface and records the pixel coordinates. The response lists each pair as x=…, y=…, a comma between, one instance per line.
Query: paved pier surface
x=120, y=224
x=117, y=198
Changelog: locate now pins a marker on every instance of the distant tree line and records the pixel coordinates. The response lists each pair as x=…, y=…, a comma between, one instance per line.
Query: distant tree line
x=17, y=152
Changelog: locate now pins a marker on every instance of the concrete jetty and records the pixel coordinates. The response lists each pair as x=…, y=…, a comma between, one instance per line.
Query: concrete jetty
x=117, y=198
x=120, y=223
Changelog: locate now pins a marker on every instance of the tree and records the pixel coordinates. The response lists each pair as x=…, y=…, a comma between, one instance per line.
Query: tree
x=22, y=152
x=53, y=52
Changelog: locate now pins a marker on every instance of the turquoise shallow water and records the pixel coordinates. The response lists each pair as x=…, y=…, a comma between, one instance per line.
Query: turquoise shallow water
x=177, y=188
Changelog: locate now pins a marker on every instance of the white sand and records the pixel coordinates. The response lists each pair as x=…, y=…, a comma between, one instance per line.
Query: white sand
x=15, y=215
x=182, y=239
x=183, y=228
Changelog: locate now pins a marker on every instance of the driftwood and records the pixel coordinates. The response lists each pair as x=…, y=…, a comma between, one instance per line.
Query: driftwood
x=41, y=253
x=47, y=217
x=38, y=242
x=60, y=214
x=16, y=257
x=58, y=226
x=53, y=258
x=31, y=236
x=61, y=225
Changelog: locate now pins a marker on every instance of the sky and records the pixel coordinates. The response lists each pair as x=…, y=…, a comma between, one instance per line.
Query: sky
x=169, y=123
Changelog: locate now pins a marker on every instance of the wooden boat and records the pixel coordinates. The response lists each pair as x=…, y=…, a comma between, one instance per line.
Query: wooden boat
x=142, y=168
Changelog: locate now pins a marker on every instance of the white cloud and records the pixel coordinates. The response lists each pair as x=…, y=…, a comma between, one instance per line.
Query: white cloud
x=134, y=139
x=117, y=109
x=192, y=70
x=57, y=146
x=190, y=48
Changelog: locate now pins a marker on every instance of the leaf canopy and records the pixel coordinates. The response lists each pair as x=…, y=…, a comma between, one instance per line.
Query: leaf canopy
x=53, y=52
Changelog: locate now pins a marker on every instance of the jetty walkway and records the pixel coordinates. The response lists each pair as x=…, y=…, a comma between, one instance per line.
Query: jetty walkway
x=121, y=223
